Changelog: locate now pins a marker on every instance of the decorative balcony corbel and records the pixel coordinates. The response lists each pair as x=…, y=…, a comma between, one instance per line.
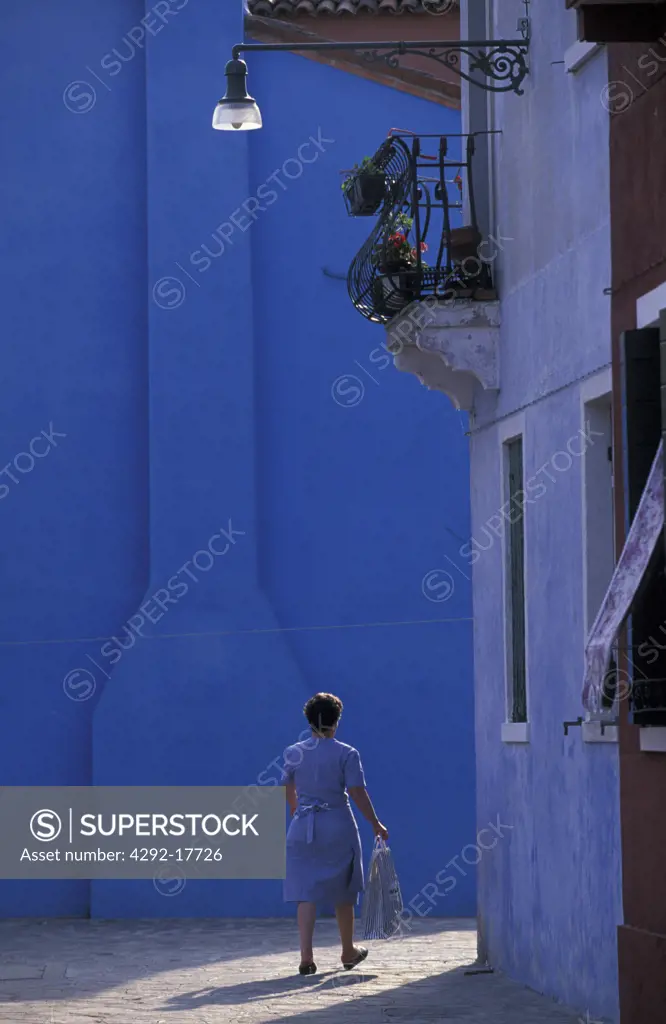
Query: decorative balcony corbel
x=454, y=351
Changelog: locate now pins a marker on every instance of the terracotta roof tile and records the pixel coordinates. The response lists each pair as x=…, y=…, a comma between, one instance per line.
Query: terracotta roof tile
x=296, y=8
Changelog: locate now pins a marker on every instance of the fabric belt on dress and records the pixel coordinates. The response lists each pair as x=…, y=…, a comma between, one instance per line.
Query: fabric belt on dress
x=308, y=811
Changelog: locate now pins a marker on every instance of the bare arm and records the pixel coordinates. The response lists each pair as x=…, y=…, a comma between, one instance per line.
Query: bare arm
x=291, y=795
x=361, y=798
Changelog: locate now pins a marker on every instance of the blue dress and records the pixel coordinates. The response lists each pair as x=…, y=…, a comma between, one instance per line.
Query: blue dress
x=324, y=857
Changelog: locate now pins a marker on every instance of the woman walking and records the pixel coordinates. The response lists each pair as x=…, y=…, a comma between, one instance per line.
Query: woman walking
x=324, y=858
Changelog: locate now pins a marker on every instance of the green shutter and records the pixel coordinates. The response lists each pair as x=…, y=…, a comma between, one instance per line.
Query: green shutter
x=516, y=555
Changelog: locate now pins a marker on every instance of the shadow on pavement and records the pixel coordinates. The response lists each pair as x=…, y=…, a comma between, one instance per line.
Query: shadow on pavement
x=84, y=958
x=450, y=997
x=272, y=988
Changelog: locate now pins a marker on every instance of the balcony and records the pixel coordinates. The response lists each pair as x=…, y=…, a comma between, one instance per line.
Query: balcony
x=426, y=260
x=425, y=203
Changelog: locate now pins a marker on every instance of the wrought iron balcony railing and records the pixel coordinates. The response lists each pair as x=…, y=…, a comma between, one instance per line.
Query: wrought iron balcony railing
x=426, y=240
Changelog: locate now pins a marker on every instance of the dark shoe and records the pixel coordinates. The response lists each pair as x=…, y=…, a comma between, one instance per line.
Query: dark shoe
x=359, y=958
x=307, y=969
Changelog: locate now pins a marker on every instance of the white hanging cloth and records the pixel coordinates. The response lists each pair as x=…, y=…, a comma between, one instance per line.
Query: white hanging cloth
x=640, y=544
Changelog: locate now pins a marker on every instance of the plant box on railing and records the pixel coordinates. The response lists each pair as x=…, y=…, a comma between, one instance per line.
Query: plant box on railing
x=365, y=192
x=394, y=289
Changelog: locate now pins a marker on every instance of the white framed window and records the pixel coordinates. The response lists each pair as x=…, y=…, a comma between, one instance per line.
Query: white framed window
x=649, y=307
x=578, y=52
x=598, y=527
x=515, y=729
x=597, y=493
x=578, y=55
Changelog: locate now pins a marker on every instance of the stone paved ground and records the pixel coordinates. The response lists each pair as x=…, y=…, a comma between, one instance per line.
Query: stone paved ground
x=242, y=972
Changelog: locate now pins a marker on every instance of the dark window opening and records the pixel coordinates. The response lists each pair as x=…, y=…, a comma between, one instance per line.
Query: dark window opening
x=642, y=423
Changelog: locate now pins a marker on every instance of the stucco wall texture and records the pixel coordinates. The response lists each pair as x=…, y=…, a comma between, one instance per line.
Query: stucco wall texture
x=192, y=373
x=550, y=892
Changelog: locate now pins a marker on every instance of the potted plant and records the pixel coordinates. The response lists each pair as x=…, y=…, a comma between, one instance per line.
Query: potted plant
x=365, y=188
x=396, y=261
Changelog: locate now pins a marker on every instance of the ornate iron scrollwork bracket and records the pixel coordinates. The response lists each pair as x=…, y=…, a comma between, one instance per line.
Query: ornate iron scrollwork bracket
x=503, y=64
x=496, y=65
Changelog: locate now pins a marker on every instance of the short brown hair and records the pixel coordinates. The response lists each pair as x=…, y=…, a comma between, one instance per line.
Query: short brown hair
x=323, y=711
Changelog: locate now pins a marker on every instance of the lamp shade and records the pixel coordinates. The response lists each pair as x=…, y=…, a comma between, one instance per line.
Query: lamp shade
x=236, y=111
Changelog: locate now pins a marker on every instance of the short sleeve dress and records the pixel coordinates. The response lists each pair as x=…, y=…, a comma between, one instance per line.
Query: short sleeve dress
x=324, y=856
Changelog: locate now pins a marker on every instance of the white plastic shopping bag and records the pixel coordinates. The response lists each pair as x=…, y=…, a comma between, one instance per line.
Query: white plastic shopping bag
x=382, y=901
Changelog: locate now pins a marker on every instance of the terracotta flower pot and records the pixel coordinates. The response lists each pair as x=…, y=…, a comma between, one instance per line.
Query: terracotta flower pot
x=464, y=242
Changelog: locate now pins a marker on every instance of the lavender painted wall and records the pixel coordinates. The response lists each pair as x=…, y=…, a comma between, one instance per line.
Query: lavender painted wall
x=549, y=892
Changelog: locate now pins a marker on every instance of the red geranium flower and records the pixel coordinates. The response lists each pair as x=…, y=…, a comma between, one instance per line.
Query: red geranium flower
x=423, y=247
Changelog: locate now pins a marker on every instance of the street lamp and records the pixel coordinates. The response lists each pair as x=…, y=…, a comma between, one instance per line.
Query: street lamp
x=236, y=111
x=502, y=64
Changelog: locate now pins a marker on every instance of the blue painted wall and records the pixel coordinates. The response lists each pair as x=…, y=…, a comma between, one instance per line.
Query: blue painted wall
x=74, y=310
x=203, y=387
